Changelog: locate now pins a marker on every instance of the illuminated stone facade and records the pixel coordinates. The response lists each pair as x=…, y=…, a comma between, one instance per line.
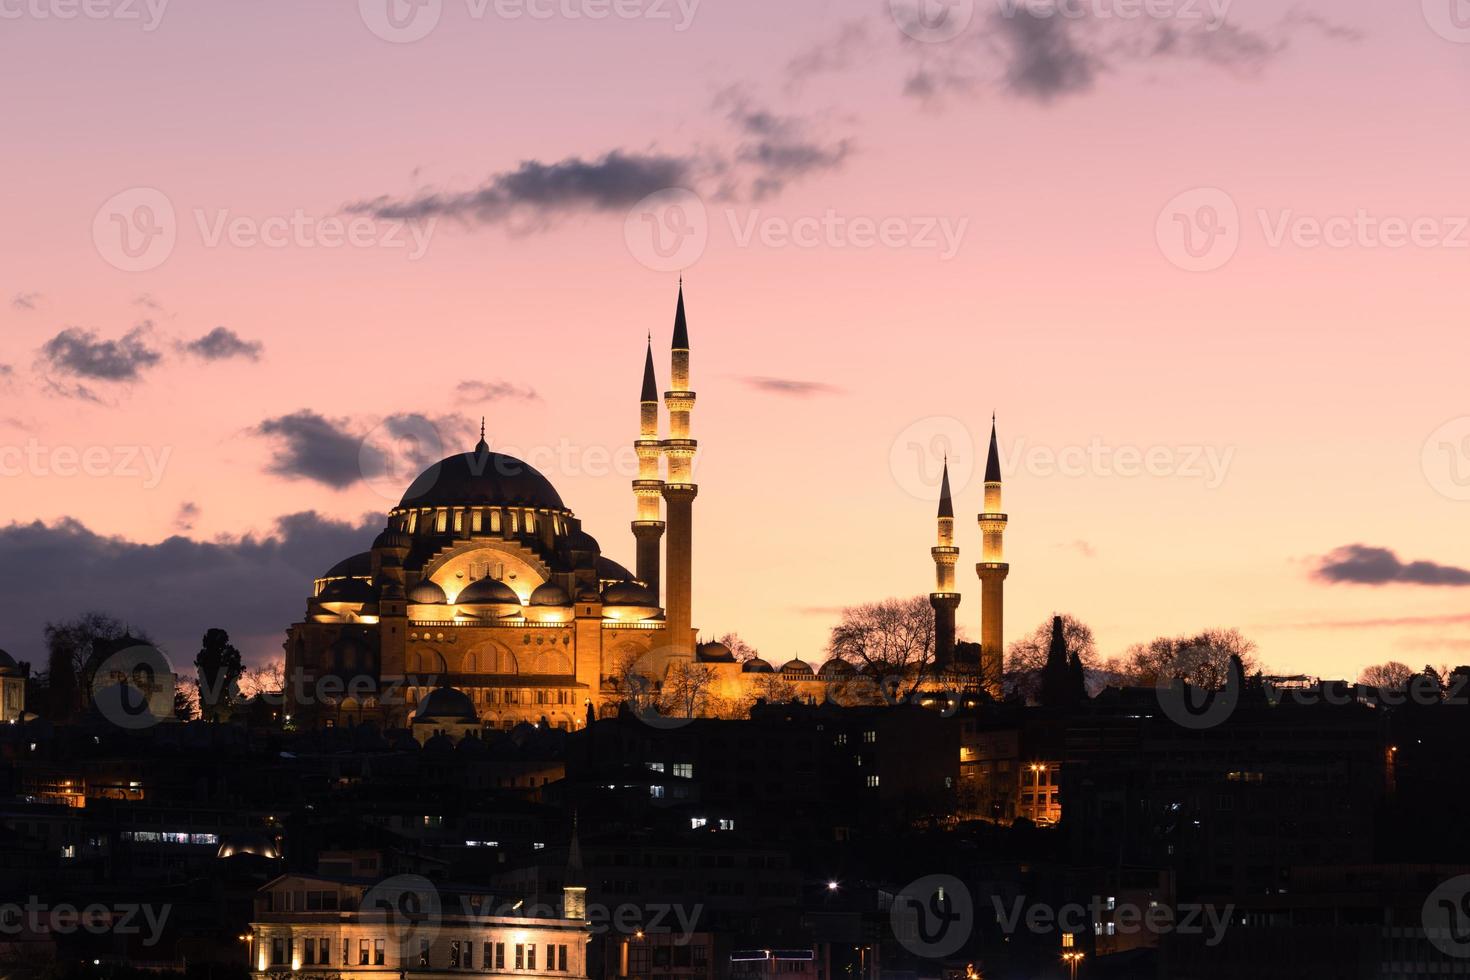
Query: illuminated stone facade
x=309, y=926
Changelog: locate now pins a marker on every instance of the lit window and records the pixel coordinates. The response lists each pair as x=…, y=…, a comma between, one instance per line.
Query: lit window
x=684, y=770
x=872, y=782
x=530, y=522
x=515, y=522
x=441, y=521
x=656, y=792
x=477, y=521
x=696, y=822
x=458, y=521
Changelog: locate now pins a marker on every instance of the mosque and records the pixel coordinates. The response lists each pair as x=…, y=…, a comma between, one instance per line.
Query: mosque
x=485, y=604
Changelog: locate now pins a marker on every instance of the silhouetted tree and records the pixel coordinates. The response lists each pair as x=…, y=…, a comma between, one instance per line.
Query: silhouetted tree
x=889, y=638
x=1201, y=660
x=219, y=668
x=1392, y=675
x=742, y=650
x=74, y=650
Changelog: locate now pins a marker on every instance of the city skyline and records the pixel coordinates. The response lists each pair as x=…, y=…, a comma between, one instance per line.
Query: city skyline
x=1279, y=387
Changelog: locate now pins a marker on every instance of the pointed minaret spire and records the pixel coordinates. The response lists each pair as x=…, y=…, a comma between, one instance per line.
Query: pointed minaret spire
x=946, y=505
x=992, y=461
x=574, y=889
x=650, y=383
x=681, y=325
x=482, y=446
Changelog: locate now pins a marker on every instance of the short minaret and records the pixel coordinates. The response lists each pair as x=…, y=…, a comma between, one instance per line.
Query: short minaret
x=944, y=598
x=992, y=570
x=648, y=527
x=679, y=492
x=574, y=888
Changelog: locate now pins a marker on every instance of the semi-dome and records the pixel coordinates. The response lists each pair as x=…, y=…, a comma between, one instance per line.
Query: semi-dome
x=628, y=594
x=797, y=666
x=755, y=665
x=487, y=591
x=550, y=594
x=447, y=704
x=715, y=653
x=359, y=566
x=427, y=593
x=610, y=571
x=392, y=539
x=482, y=478
x=347, y=590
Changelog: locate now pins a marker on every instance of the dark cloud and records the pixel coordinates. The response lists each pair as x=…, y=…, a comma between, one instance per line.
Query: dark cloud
x=490, y=391
x=253, y=586
x=790, y=387
x=1036, y=51
x=25, y=301
x=775, y=149
x=1043, y=60
x=221, y=344
x=1360, y=564
x=81, y=354
x=313, y=447
x=545, y=190
x=340, y=452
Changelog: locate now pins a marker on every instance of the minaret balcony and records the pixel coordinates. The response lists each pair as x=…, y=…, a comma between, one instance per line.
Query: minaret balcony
x=653, y=445
x=993, y=518
x=684, y=399
x=648, y=486
x=945, y=555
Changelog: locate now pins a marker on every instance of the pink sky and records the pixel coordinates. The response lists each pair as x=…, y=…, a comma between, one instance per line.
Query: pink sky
x=1317, y=374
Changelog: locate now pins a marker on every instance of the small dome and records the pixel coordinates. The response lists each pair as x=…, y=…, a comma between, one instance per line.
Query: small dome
x=550, y=594
x=716, y=653
x=347, y=590
x=798, y=667
x=447, y=704
x=755, y=665
x=426, y=593
x=580, y=540
x=487, y=591
x=836, y=667
x=360, y=566
x=628, y=594
x=392, y=539
x=7, y=662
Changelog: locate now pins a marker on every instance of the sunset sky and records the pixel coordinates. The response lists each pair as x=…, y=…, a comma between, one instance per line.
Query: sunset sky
x=1209, y=273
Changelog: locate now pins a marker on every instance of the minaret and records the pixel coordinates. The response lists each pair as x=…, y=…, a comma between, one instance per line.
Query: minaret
x=679, y=492
x=574, y=888
x=992, y=570
x=944, y=598
x=648, y=529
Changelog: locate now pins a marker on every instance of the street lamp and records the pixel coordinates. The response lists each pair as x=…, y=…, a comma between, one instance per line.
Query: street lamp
x=1073, y=960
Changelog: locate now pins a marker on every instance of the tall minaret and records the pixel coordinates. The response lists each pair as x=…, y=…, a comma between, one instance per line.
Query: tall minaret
x=648, y=528
x=944, y=598
x=679, y=492
x=992, y=570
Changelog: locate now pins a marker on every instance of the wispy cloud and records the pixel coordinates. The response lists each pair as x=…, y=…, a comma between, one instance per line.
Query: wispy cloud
x=1360, y=564
x=790, y=387
x=187, y=514
x=491, y=391
x=221, y=344
x=25, y=301
x=539, y=191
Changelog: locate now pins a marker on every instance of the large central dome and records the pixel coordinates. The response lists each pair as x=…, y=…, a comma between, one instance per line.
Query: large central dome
x=481, y=478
